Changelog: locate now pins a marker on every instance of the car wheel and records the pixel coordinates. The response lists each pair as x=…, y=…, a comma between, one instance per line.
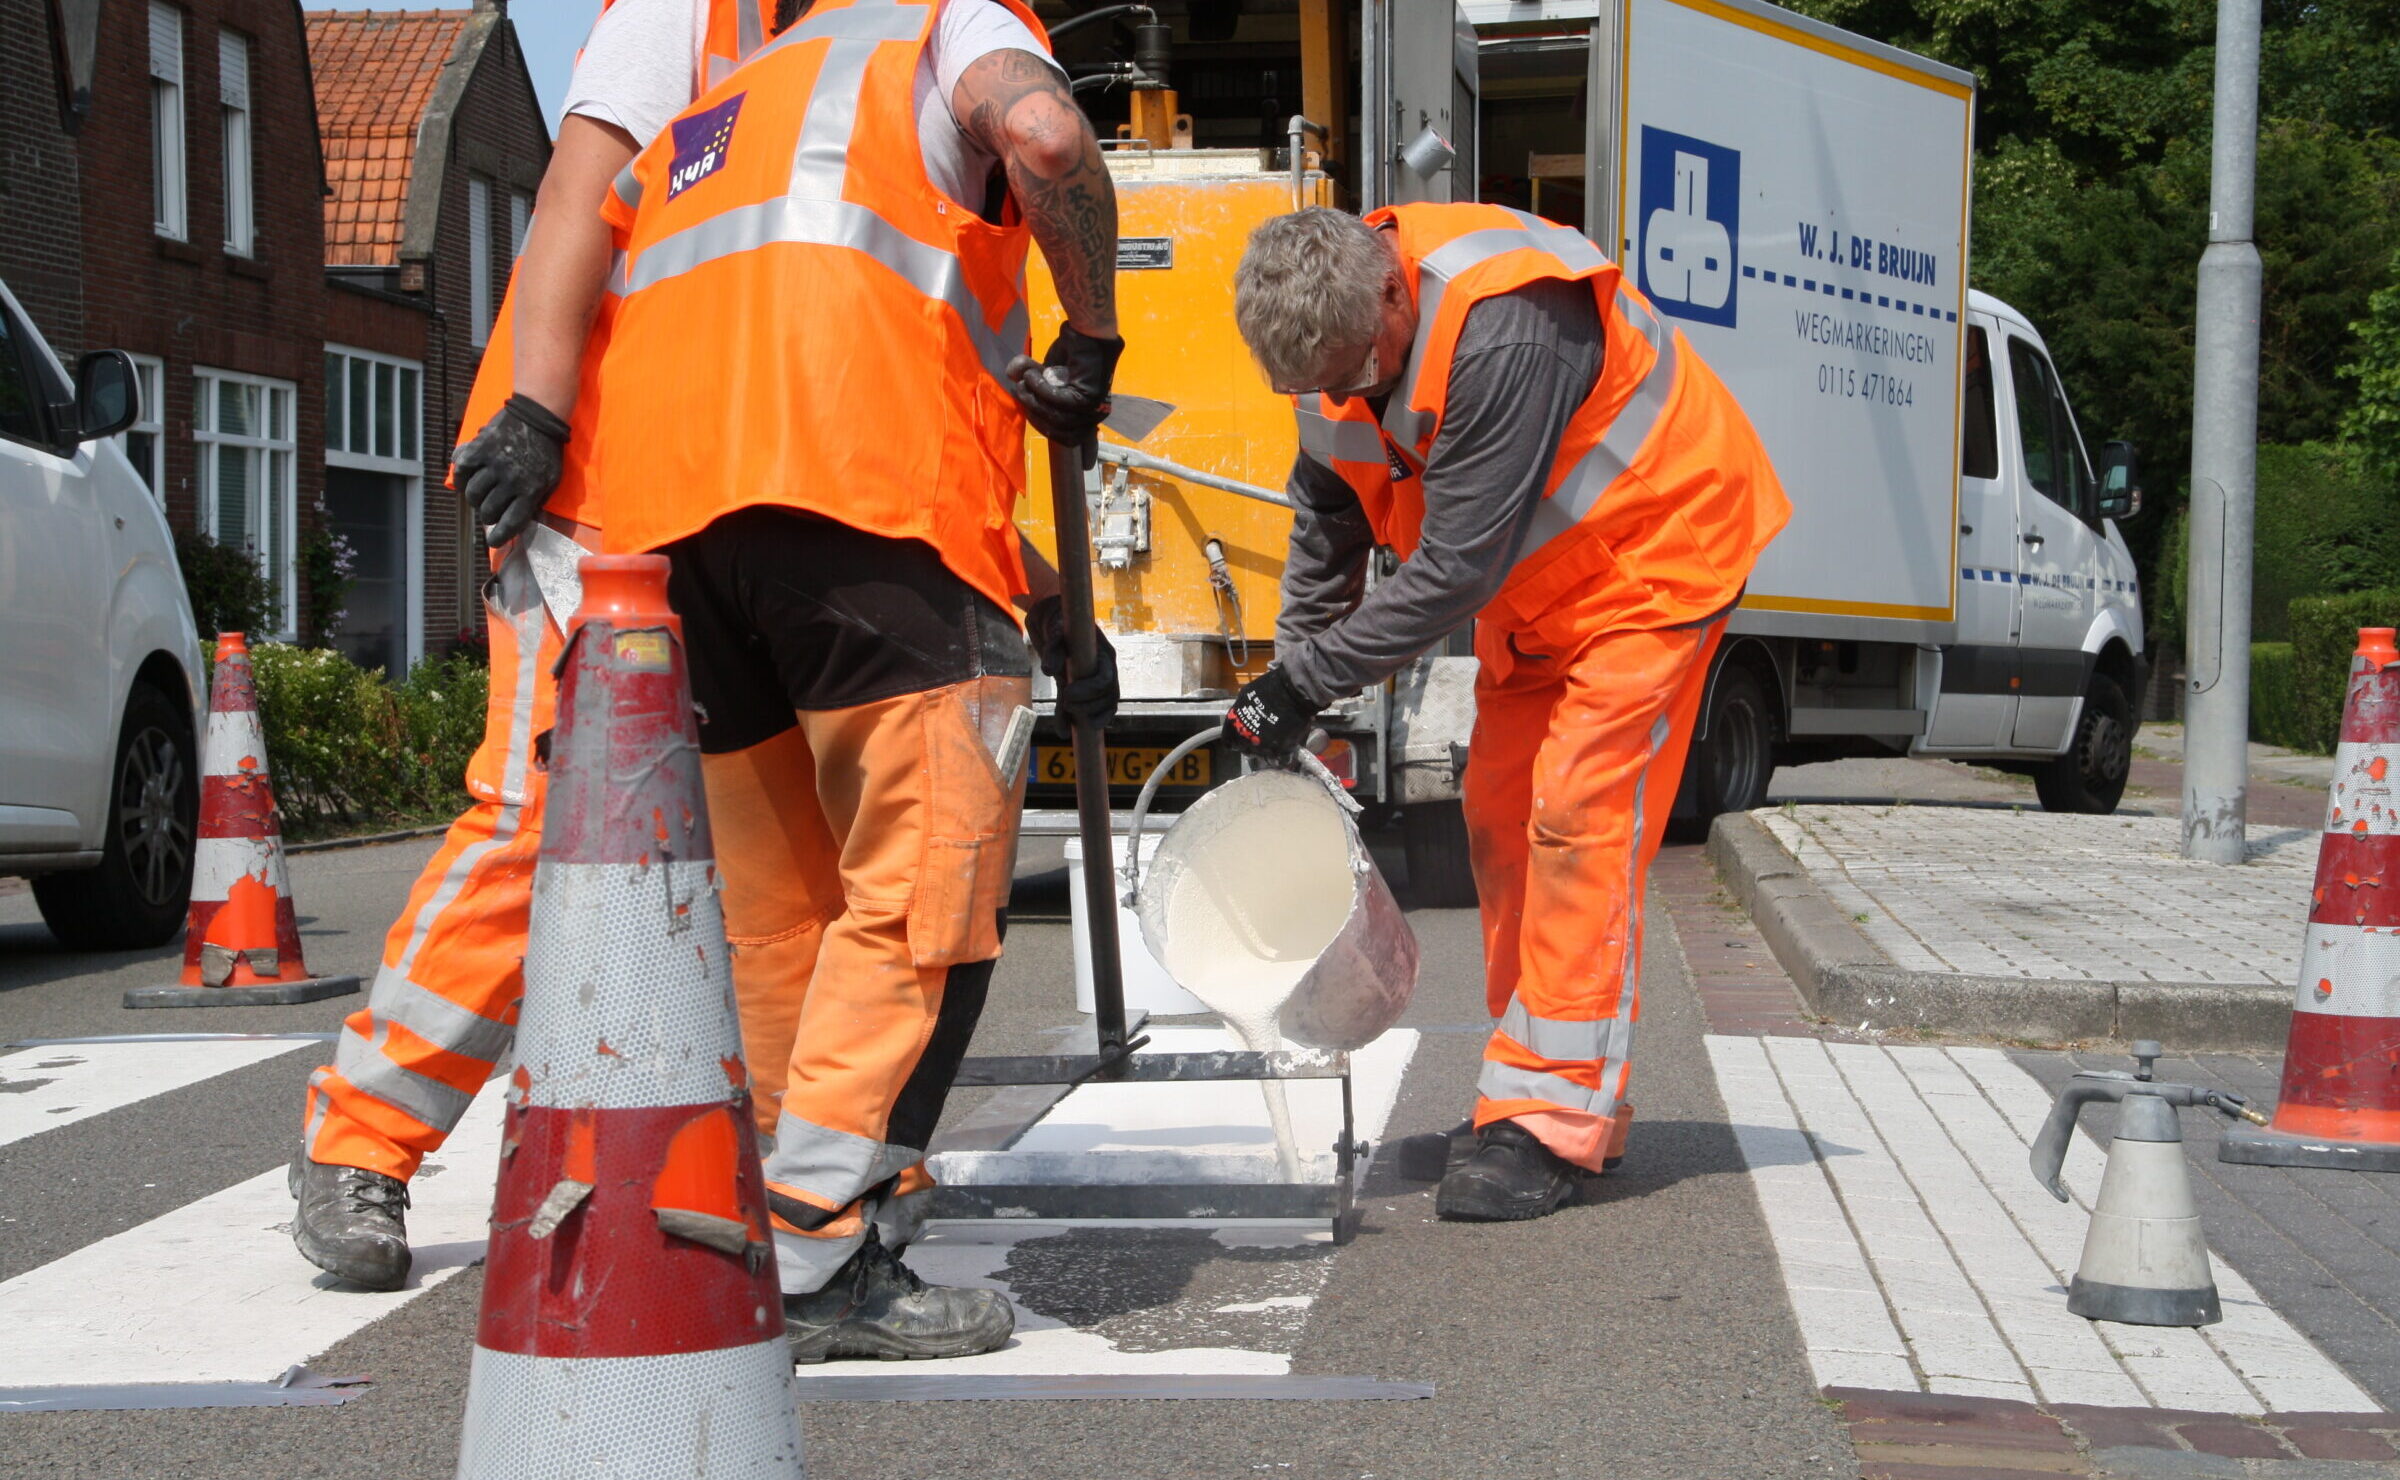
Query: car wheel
x=1732, y=760
x=137, y=896
x=1433, y=839
x=2090, y=777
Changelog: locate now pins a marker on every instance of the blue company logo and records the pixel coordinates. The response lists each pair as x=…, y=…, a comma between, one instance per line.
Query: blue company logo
x=1690, y=214
x=701, y=144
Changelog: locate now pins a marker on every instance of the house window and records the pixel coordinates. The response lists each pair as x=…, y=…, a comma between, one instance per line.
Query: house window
x=233, y=94
x=520, y=216
x=242, y=426
x=374, y=501
x=479, y=259
x=140, y=442
x=166, y=121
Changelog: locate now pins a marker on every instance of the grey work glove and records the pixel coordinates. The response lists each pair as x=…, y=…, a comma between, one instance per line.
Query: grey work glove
x=1065, y=396
x=509, y=469
x=1090, y=699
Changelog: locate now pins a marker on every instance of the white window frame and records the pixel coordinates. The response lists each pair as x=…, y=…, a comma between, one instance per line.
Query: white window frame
x=479, y=260
x=233, y=101
x=169, y=175
x=409, y=408
x=520, y=220
x=276, y=479
x=150, y=391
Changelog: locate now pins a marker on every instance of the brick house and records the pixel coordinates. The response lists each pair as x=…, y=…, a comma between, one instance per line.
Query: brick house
x=39, y=184
x=202, y=218
x=434, y=147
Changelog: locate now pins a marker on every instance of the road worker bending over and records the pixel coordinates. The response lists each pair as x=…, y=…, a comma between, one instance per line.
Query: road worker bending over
x=444, y=1003
x=1481, y=391
x=812, y=408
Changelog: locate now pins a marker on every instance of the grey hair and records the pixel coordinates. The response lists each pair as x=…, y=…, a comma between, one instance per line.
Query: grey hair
x=1310, y=284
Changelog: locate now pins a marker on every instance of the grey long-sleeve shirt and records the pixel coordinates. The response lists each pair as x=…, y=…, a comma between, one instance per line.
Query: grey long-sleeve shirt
x=1525, y=361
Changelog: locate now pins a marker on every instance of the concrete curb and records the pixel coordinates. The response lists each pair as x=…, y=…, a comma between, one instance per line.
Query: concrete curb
x=1847, y=979
x=366, y=840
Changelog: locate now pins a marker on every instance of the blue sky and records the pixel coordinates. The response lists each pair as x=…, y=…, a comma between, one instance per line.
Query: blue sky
x=550, y=29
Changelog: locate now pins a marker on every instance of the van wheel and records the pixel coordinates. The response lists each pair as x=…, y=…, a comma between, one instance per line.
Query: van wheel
x=1733, y=759
x=1433, y=839
x=2090, y=777
x=137, y=895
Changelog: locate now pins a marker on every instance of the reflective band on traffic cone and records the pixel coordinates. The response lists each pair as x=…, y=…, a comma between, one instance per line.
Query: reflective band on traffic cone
x=241, y=943
x=2340, y=1102
x=632, y=1323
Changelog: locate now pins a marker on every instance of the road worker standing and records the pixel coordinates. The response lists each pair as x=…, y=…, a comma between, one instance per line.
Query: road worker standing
x=444, y=1003
x=1481, y=392
x=813, y=409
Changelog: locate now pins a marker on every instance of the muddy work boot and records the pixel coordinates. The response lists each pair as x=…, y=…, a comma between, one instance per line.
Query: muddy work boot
x=875, y=1306
x=1436, y=1154
x=1510, y=1176
x=352, y=1223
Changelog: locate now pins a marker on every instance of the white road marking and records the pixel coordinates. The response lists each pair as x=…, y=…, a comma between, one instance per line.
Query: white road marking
x=44, y=1088
x=1919, y=1253
x=1204, y=1132
x=215, y=1292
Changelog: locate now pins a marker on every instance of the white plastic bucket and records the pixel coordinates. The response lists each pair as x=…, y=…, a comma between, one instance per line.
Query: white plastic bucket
x=1148, y=986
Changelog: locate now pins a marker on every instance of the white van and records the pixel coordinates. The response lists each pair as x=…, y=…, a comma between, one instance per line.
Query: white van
x=99, y=662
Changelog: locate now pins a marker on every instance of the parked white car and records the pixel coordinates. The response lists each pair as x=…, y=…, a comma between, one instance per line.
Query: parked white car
x=99, y=663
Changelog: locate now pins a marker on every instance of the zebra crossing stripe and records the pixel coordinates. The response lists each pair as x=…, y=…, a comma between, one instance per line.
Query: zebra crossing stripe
x=214, y=1293
x=46, y=1086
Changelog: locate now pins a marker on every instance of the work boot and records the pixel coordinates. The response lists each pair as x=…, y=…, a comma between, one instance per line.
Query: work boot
x=875, y=1306
x=1508, y=1177
x=1436, y=1154
x=352, y=1222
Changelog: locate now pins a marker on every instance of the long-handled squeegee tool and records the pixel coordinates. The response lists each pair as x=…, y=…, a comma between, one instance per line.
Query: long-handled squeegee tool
x=1113, y=1057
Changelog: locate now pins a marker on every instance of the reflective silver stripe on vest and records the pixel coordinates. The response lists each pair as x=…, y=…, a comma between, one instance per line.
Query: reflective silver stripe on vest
x=1568, y=1040
x=1326, y=438
x=833, y=223
x=1579, y=492
x=821, y=161
x=627, y=187
x=1408, y=425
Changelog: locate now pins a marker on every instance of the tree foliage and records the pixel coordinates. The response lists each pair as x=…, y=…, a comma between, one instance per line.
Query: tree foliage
x=2091, y=203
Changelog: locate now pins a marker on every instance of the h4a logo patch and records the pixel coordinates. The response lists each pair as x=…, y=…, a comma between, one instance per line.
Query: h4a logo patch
x=1402, y=470
x=702, y=142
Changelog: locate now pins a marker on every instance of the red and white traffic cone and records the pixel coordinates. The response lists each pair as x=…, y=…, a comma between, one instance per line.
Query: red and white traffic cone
x=2340, y=1102
x=632, y=1324
x=241, y=943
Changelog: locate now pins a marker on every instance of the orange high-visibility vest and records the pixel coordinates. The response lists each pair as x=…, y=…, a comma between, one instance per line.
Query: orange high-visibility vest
x=728, y=30
x=1660, y=496
x=807, y=321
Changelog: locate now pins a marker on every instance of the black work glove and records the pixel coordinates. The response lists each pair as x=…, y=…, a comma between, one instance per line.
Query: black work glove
x=509, y=469
x=1091, y=699
x=1066, y=395
x=1270, y=718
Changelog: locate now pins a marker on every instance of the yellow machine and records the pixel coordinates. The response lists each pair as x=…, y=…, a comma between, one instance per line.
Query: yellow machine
x=1190, y=528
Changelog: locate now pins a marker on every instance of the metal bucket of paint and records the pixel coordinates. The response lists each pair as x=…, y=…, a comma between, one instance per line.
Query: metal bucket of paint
x=1263, y=902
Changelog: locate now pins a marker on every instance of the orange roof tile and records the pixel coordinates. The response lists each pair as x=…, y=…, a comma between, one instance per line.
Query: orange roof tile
x=375, y=74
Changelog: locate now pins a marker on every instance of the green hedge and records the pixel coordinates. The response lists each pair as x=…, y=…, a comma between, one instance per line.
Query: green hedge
x=2324, y=635
x=2275, y=697
x=351, y=751
x=2322, y=525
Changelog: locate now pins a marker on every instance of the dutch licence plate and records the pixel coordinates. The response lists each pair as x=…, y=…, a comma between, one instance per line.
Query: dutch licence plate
x=1128, y=765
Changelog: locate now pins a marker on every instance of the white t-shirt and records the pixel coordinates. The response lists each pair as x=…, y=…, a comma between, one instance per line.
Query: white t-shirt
x=636, y=73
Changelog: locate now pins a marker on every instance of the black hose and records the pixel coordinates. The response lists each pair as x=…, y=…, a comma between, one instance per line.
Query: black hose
x=1103, y=13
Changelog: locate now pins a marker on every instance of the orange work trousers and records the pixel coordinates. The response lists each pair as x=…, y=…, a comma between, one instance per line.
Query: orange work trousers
x=444, y=1004
x=1578, y=748
x=866, y=854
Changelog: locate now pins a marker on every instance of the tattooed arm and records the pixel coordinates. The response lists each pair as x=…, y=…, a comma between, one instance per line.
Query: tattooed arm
x=1016, y=105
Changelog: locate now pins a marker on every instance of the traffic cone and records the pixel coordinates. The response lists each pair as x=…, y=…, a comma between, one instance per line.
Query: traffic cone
x=241, y=944
x=632, y=1323
x=2340, y=1102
